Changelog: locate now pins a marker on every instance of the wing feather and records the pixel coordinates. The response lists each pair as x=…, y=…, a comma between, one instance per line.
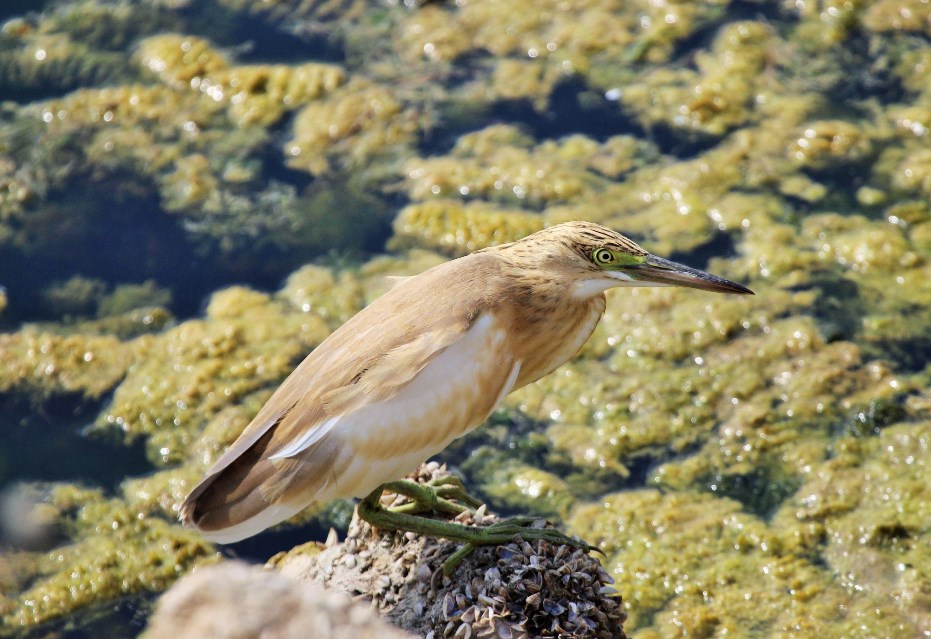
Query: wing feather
x=299, y=438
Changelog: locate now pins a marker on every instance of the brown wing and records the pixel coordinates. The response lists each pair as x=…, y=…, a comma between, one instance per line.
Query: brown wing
x=369, y=359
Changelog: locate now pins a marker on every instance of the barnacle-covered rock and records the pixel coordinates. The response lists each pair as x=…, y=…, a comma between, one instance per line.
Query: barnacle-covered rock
x=520, y=590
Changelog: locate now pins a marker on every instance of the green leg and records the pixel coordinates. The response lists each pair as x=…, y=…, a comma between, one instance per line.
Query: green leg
x=371, y=510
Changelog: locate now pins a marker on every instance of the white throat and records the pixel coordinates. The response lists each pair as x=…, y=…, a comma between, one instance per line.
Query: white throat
x=587, y=289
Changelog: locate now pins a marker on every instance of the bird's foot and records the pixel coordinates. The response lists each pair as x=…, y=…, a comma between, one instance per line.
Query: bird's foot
x=442, y=495
x=526, y=528
x=439, y=498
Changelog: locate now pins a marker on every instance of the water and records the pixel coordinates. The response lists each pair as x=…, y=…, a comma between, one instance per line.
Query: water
x=785, y=146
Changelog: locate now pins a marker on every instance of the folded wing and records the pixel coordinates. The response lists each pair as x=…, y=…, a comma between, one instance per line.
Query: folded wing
x=370, y=403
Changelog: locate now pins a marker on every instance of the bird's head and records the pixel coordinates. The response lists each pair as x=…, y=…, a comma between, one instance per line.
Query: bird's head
x=591, y=259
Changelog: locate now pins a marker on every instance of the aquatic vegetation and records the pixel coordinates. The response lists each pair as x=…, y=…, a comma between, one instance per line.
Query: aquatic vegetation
x=772, y=445
x=256, y=94
x=356, y=126
x=496, y=164
x=129, y=297
x=50, y=63
x=458, y=227
x=38, y=365
x=715, y=97
x=531, y=51
x=115, y=551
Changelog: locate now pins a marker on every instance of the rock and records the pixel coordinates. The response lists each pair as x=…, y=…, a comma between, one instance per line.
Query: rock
x=236, y=601
x=518, y=590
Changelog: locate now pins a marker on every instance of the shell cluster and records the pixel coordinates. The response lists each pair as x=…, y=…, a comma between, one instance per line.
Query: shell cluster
x=511, y=591
x=532, y=590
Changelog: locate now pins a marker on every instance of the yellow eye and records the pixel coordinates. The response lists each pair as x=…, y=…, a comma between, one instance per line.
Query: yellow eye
x=603, y=257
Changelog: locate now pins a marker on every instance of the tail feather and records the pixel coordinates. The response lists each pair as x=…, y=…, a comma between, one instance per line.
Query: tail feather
x=268, y=516
x=253, y=492
x=229, y=505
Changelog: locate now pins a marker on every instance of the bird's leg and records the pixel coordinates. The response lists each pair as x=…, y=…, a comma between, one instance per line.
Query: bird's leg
x=371, y=510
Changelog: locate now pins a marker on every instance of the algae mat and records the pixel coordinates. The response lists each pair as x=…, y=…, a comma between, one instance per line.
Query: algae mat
x=194, y=194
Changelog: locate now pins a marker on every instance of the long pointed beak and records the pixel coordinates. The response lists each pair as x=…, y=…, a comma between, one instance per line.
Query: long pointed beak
x=665, y=272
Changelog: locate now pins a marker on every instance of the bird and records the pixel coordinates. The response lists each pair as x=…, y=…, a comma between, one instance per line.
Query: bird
x=422, y=365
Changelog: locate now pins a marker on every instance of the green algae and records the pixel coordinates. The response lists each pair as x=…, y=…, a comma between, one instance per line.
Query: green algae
x=695, y=564
x=255, y=94
x=130, y=297
x=520, y=487
x=499, y=164
x=459, y=227
x=772, y=448
x=115, y=551
x=532, y=51
x=77, y=295
x=356, y=126
x=196, y=137
x=52, y=62
x=38, y=365
x=713, y=99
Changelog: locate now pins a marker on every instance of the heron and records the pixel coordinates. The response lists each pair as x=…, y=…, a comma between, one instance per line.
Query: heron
x=422, y=365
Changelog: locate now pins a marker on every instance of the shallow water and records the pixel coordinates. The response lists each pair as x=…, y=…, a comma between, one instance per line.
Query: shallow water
x=753, y=467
